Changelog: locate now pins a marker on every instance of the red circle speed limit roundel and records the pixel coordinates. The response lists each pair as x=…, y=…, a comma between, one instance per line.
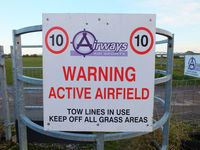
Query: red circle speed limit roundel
x=56, y=40
x=141, y=40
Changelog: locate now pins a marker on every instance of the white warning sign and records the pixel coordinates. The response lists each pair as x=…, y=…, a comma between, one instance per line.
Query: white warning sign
x=98, y=72
x=192, y=65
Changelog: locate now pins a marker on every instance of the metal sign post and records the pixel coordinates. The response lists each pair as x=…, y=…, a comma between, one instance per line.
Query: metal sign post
x=3, y=90
x=19, y=89
x=168, y=89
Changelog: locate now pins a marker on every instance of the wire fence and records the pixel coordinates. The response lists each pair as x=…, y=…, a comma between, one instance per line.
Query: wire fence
x=35, y=72
x=185, y=99
x=184, y=115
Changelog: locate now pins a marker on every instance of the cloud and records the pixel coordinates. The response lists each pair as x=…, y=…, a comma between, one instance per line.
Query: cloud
x=176, y=12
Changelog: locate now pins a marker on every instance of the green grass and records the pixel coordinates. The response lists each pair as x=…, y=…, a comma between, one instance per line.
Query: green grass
x=8, y=63
x=27, y=62
x=32, y=61
x=177, y=132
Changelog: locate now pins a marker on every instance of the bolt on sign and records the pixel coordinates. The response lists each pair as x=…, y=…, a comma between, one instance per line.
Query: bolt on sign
x=98, y=72
x=192, y=65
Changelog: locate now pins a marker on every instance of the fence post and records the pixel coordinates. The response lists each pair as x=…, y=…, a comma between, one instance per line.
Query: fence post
x=19, y=90
x=5, y=104
x=168, y=91
x=100, y=141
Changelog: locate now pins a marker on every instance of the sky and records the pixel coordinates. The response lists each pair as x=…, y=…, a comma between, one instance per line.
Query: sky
x=180, y=17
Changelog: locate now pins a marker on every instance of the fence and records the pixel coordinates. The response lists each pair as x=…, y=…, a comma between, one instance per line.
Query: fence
x=185, y=100
x=24, y=121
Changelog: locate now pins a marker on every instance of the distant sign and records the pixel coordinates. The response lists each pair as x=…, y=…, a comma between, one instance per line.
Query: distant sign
x=192, y=65
x=98, y=72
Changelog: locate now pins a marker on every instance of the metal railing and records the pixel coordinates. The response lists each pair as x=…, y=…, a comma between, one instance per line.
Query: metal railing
x=24, y=121
x=3, y=91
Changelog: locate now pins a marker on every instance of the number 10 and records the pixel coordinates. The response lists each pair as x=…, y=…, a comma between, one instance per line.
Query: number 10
x=143, y=40
x=59, y=40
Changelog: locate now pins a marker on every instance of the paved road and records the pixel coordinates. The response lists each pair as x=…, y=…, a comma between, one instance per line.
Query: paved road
x=185, y=103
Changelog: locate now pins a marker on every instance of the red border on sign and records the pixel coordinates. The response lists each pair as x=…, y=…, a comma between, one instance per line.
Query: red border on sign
x=67, y=40
x=152, y=40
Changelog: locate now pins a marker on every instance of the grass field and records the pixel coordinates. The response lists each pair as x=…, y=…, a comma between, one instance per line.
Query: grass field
x=178, y=73
x=27, y=62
